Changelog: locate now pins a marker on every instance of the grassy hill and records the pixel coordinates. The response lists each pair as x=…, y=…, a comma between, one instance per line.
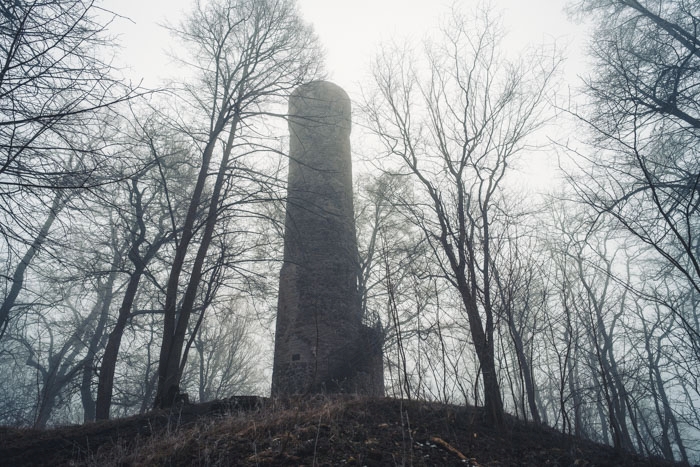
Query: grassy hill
x=320, y=431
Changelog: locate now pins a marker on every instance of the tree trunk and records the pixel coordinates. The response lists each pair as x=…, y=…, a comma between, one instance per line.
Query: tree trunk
x=174, y=333
x=484, y=352
x=170, y=315
x=525, y=369
x=18, y=276
x=106, y=295
x=89, y=407
x=61, y=371
x=665, y=413
x=105, y=382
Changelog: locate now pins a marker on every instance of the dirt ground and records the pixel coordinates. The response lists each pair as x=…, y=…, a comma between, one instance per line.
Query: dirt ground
x=321, y=431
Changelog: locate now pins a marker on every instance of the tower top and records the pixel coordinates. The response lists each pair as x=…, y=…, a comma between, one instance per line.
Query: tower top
x=321, y=104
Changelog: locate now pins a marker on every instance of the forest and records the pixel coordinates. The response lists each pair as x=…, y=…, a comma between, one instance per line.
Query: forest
x=141, y=230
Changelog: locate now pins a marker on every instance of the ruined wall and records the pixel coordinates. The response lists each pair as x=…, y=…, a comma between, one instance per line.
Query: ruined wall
x=320, y=343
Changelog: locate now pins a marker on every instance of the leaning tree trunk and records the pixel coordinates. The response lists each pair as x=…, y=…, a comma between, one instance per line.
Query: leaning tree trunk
x=20, y=270
x=105, y=384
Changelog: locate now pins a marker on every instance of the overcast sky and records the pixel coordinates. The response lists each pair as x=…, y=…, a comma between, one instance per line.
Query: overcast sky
x=350, y=31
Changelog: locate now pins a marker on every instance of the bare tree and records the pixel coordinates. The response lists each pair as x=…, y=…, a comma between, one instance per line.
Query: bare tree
x=140, y=254
x=57, y=102
x=656, y=329
x=640, y=174
x=225, y=360
x=521, y=295
x=53, y=85
x=152, y=203
x=645, y=123
x=20, y=270
x=611, y=343
x=455, y=131
x=248, y=54
x=106, y=293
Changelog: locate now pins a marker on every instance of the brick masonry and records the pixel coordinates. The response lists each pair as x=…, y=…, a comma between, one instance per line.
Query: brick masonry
x=321, y=344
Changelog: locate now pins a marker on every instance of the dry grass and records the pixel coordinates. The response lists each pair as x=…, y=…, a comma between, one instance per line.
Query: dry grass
x=319, y=431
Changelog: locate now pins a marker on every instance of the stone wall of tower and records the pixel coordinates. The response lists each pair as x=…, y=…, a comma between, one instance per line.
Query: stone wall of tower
x=320, y=342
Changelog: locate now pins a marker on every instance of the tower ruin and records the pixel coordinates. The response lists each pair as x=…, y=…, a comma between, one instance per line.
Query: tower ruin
x=321, y=344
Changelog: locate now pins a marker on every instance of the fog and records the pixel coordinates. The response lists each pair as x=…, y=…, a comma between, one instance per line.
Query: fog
x=526, y=204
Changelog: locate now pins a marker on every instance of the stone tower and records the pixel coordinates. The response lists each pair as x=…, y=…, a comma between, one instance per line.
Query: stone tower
x=321, y=344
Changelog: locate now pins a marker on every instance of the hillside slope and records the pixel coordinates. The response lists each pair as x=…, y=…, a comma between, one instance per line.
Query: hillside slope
x=322, y=431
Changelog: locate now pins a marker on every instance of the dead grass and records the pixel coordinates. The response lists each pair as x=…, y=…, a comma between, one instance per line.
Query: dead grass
x=319, y=431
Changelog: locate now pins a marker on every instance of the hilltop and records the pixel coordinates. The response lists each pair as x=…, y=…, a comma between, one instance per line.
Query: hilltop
x=320, y=431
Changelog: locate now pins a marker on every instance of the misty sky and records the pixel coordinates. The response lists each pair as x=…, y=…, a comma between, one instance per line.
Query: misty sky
x=350, y=31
